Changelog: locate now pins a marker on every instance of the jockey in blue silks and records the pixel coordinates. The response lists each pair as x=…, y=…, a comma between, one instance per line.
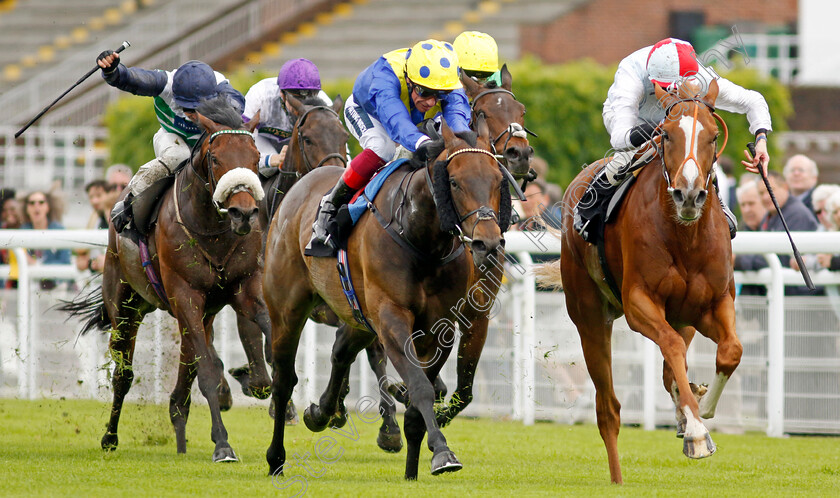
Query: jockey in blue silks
x=390, y=98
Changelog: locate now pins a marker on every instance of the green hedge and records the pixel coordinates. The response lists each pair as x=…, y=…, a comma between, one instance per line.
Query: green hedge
x=563, y=103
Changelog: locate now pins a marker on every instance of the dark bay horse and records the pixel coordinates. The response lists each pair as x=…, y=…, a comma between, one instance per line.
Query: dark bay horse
x=505, y=120
x=318, y=138
x=206, y=252
x=399, y=292
x=670, y=254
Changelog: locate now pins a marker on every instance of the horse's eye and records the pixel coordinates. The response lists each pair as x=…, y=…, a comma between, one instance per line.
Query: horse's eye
x=453, y=183
x=307, y=141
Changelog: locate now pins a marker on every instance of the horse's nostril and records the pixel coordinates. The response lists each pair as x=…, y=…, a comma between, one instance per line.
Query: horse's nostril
x=234, y=213
x=678, y=196
x=701, y=198
x=479, y=247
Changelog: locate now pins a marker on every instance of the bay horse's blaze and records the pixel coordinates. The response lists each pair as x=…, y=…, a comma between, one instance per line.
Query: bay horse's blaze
x=671, y=260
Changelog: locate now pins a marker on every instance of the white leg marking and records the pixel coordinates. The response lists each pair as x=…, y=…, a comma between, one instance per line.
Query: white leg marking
x=709, y=401
x=694, y=428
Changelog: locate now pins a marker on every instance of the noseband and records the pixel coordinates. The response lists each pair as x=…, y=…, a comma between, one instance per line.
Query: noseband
x=512, y=130
x=302, y=147
x=210, y=182
x=483, y=213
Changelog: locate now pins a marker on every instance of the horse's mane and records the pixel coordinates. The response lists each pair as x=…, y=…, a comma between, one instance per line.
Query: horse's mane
x=220, y=110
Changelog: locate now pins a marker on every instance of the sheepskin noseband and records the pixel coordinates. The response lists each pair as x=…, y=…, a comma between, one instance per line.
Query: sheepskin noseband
x=237, y=180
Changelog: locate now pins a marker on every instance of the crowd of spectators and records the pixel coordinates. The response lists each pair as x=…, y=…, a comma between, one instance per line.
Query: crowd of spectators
x=43, y=209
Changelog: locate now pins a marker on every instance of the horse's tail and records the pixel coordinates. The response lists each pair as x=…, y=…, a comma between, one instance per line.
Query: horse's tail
x=90, y=308
x=548, y=275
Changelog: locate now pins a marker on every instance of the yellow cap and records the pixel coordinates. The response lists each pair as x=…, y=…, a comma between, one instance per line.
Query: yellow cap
x=477, y=51
x=433, y=64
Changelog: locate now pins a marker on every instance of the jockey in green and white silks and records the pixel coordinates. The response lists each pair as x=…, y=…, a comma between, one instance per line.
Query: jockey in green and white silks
x=174, y=93
x=632, y=112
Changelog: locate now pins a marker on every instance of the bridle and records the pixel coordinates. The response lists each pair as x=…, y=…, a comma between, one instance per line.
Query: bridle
x=211, y=181
x=513, y=129
x=483, y=213
x=302, y=145
x=692, y=146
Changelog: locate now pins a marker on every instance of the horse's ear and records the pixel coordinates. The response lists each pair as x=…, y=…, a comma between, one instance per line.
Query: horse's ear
x=206, y=124
x=338, y=104
x=711, y=93
x=507, y=79
x=297, y=106
x=446, y=133
x=481, y=126
x=253, y=123
x=471, y=88
x=664, y=97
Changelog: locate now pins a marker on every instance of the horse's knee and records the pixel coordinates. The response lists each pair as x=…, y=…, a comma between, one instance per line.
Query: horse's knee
x=729, y=357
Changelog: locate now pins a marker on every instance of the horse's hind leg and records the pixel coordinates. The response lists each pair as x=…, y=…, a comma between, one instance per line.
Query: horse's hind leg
x=469, y=351
x=254, y=376
x=330, y=409
x=389, y=432
x=223, y=389
x=121, y=347
x=179, y=400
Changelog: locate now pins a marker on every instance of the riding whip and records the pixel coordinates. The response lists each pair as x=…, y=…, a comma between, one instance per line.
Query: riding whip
x=802, y=269
x=122, y=47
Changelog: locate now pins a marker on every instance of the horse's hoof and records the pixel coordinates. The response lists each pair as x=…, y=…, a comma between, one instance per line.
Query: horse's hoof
x=445, y=461
x=110, y=442
x=309, y=420
x=242, y=375
x=392, y=443
x=700, y=447
x=338, y=420
x=224, y=454
x=259, y=392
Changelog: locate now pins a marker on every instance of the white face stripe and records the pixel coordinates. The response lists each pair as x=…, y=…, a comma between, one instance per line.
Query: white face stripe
x=499, y=101
x=690, y=170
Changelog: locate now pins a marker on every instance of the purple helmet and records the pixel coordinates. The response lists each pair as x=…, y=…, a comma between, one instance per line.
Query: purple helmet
x=299, y=74
x=193, y=83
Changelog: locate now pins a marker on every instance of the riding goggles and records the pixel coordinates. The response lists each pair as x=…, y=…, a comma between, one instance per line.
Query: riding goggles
x=302, y=94
x=425, y=93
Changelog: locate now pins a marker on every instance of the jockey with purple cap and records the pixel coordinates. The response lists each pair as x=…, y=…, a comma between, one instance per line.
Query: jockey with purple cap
x=176, y=93
x=390, y=98
x=298, y=78
x=632, y=113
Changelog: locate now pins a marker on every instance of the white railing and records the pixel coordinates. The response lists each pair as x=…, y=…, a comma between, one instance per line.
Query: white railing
x=523, y=381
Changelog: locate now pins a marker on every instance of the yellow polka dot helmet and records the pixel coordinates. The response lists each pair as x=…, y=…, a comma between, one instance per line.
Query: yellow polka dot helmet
x=477, y=51
x=433, y=64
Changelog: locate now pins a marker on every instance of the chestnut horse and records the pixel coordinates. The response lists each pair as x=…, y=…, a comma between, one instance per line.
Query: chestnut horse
x=318, y=138
x=399, y=290
x=670, y=255
x=206, y=253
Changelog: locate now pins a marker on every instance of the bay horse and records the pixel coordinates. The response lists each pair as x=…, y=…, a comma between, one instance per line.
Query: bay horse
x=206, y=253
x=399, y=290
x=505, y=119
x=318, y=138
x=670, y=255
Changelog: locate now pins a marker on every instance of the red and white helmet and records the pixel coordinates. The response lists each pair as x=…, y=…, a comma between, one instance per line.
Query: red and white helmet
x=670, y=60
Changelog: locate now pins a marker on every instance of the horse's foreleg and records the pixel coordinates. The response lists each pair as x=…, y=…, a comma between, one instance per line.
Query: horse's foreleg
x=670, y=383
x=330, y=409
x=647, y=318
x=469, y=352
x=254, y=376
x=179, y=400
x=729, y=349
x=389, y=432
x=223, y=388
x=395, y=324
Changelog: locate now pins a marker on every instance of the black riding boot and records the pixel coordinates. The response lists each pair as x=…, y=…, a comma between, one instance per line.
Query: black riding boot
x=730, y=216
x=121, y=214
x=589, y=211
x=321, y=243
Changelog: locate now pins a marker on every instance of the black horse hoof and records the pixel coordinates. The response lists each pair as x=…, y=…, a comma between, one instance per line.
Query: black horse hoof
x=224, y=454
x=445, y=461
x=110, y=442
x=291, y=414
x=309, y=419
x=259, y=392
x=338, y=420
x=242, y=375
x=391, y=443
